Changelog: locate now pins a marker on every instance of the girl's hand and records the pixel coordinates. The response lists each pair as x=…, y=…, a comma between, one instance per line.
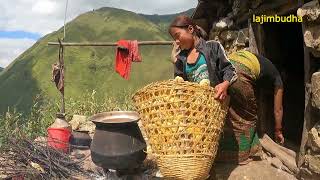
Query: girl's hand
x=175, y=51
x=221, y=90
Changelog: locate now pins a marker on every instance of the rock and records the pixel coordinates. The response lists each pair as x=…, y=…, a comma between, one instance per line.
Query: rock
x=264, y=156
x=222, y=24
x=228, y=35
x=310, y=11
x=88, y=165
x=214, y=35
x=315, y=89
x=279, y=165
x=81, y=123
x=236, y=7
x=202, y=23
x=312, y=37
x=255, y=3
x=313, y=163
x=305, y=173
x=242, y=37
x=230, y=15
x=78, y=154
x=315, y=53
x=246, y=32
x=276, y=163
x=314, y=140
x=76, y=121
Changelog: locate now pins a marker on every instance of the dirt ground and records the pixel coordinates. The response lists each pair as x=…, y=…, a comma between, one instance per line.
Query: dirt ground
x=255, y=170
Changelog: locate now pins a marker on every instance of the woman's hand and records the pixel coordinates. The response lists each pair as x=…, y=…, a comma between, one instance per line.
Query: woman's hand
x=278, y=136
x=278, y=114
x=221, y=90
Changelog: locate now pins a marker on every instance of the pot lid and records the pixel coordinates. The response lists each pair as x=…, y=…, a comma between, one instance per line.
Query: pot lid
x=115, y=117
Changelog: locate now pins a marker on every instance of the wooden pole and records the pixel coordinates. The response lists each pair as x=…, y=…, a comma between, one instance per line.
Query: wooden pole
x=108, y=43
x=62, y=74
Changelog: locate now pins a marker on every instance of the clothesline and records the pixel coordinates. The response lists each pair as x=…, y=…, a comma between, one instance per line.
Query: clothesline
x=60, y=71
x=108, y=43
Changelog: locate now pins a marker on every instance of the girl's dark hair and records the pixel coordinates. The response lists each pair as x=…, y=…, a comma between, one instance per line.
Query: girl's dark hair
x=183, y=21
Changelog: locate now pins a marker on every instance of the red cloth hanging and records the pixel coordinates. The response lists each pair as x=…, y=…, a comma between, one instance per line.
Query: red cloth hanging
x=127, y=51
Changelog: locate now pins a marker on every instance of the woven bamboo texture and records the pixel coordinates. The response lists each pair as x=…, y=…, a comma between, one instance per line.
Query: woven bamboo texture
x=182, y=122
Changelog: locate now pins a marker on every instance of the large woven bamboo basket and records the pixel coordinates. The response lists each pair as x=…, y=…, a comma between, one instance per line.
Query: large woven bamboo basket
x=182, y=122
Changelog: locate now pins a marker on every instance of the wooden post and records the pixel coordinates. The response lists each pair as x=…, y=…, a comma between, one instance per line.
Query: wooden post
x=307, y=111
x=62, y=74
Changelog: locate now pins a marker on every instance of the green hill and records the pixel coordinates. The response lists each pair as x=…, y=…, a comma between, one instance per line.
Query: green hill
x=87, y=68
x=1, y=69
x=163, y=21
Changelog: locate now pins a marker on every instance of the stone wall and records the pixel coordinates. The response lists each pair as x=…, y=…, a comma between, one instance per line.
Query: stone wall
x=232, y=39
x=311, y=19
x=311, y=22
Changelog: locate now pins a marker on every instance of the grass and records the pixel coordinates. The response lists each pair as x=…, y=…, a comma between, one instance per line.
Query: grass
x=42, y=113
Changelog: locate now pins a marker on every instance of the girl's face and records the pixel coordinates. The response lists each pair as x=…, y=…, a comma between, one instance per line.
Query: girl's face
x=183, y=36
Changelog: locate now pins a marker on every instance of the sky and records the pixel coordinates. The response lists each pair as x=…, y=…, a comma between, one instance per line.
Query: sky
x=23, y=22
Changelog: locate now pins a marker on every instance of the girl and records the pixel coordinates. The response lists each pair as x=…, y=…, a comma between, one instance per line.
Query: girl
x=201, y=60
x=198, y=59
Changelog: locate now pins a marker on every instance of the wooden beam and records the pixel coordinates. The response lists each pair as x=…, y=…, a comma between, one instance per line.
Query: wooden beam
x=108, y=43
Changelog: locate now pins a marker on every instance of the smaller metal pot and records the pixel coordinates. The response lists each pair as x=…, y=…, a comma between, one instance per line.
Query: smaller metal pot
x=80, y=139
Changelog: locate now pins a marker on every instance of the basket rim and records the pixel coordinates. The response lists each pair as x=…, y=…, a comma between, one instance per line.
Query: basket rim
x=177, y=84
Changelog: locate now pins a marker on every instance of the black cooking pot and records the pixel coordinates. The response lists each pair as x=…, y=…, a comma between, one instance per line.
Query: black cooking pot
x=80, y=139
x=117, y=142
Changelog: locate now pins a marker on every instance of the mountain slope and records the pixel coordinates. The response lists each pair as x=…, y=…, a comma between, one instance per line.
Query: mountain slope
x=87, y=68
x=163, y=21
